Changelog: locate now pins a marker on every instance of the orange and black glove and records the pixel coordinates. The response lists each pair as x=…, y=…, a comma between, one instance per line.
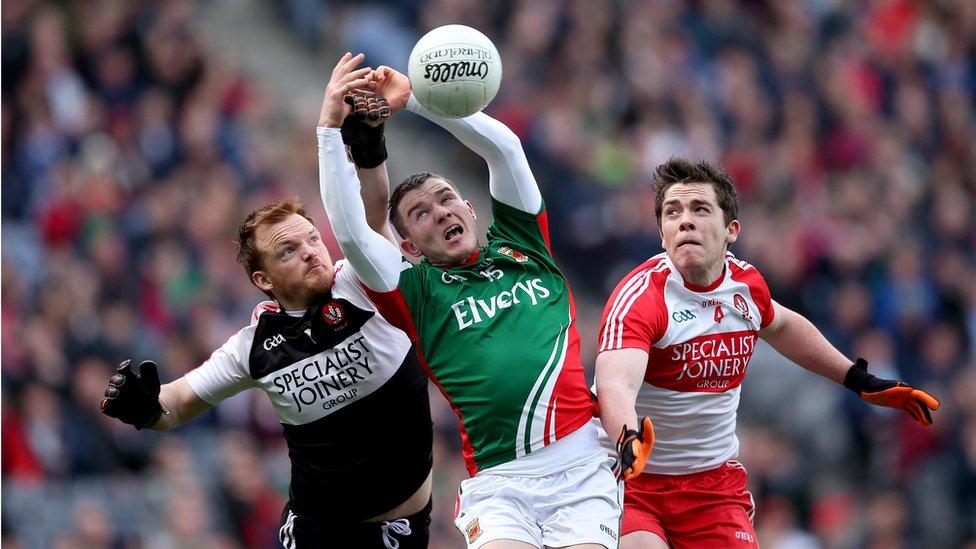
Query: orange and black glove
x=133, y=397
x=633, y=449
x=893, y=394
x=361, y=133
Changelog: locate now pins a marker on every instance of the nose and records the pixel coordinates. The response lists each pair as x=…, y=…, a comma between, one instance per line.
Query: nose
x=309, y=252
x=441, y=213
x=687, y=222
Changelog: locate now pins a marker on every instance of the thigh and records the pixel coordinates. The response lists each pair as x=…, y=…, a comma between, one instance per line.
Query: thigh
x=508, y=544
x=642, y=540
x=714, y=511
x=495, y=508
x=580, y=506
x=644, y=507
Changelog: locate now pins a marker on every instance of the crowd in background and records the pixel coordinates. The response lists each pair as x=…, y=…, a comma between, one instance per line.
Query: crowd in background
x=131, y=150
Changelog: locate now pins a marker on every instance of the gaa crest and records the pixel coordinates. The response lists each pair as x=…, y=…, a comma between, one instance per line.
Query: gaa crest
x=514, y=254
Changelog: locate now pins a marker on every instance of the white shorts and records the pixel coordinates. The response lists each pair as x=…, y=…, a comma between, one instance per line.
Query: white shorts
x=581, y=504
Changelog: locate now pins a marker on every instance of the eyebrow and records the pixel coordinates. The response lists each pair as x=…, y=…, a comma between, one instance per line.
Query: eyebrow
x=694, y=202
x=436, y=193
x=277, y=246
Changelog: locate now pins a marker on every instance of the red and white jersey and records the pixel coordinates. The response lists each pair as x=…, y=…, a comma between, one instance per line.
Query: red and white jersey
x=699, y=341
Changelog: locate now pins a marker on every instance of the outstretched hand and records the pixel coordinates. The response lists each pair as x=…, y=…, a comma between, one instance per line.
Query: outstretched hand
x=391, y=84
x=891, y=393
x=133, y=396
x=345, y=78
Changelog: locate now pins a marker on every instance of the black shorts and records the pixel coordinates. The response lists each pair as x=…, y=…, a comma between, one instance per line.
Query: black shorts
x=413, y=532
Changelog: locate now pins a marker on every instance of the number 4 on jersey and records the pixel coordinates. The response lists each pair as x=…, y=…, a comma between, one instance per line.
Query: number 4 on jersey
x=719, y=314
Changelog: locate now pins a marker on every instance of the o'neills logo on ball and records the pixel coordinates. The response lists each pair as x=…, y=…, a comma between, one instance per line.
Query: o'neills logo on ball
x=332, y=313
x=476, y=54
x=447, y=72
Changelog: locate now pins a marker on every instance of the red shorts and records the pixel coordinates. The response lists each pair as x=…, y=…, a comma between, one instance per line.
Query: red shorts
x=707, y=509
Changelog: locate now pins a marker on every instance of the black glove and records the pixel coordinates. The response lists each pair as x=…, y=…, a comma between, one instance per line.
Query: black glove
x=133, y=397
x=893, y=394
x=366, y=142
x=633, y=449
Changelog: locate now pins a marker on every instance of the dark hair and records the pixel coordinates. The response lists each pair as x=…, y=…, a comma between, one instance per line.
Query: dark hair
x=682, y=170
x=247, y=251
x=410, y=183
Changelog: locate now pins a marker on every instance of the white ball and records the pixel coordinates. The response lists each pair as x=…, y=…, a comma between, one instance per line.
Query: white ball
x=455, y=71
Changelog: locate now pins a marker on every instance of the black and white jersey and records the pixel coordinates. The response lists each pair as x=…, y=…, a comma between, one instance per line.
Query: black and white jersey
x=350, y=393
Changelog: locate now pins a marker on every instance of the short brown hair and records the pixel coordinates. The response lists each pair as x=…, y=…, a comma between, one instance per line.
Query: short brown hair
x=410, y=183
x=682, y=170
x=247, y=250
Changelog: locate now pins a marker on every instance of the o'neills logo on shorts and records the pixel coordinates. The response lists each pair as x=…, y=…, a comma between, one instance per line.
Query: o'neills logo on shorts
x=705, y=364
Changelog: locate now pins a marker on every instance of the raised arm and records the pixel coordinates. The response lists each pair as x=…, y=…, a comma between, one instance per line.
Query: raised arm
x=510, y=178
x=362, y=132
x=375, y=259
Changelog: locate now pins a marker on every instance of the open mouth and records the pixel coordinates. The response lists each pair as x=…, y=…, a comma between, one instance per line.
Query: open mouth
x=453, y=233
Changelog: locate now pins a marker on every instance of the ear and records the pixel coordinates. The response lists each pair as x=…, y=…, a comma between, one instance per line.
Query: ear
x=732, y=232
x=471, y=209
x=410, y=249
x=261, y=280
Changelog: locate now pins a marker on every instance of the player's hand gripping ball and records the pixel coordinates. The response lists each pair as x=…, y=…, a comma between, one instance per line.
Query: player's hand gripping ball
x=455, y=71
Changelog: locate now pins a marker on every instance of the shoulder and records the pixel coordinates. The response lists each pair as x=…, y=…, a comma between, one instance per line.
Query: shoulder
x=261, y=308
x=643, y=286
x=650, y=274
x=743, y=271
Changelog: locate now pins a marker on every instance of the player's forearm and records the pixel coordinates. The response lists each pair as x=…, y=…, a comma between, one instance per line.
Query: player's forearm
x=800, y=341
x=616, y=408
x=375, y=192
x=511, y=179
x=375, y=259
x=180, y=405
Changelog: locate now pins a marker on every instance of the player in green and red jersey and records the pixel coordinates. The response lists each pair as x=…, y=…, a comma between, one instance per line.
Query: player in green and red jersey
x=496, y=328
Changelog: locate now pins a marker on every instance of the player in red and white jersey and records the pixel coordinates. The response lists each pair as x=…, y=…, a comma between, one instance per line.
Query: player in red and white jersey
x=675, y=343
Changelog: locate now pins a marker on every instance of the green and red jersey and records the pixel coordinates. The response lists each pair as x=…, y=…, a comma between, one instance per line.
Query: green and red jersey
x=498, y=336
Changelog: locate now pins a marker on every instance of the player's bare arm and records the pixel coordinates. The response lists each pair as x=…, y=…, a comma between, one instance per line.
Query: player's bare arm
x=796, y=338
x=182, y=404
x=799, y=340
x=619, y=374
x=134, y=396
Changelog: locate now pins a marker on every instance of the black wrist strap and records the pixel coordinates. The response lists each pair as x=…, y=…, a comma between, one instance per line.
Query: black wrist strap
x=857, y=377
x=366, y=143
